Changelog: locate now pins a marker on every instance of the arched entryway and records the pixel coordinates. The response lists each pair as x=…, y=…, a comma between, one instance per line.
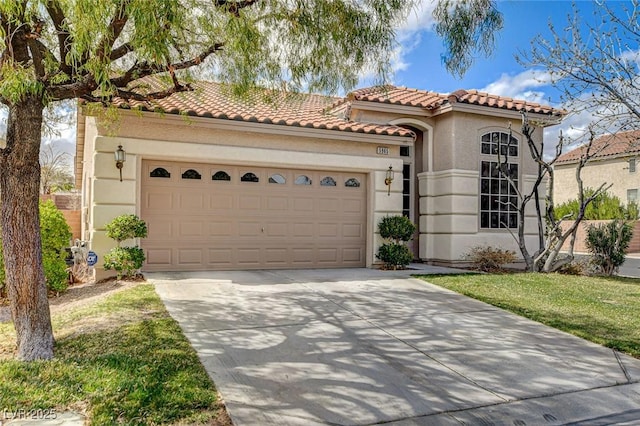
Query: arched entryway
x=417, y=159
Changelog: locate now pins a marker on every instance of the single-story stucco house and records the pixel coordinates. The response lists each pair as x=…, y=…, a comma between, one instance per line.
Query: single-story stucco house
x=301, y=181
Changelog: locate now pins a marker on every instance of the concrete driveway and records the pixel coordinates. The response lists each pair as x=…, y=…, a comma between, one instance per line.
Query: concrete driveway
x=362, y=347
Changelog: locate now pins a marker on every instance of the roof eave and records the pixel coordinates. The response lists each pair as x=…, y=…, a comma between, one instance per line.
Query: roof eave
x=542, y=120
x=391, y=108
x=282, y=129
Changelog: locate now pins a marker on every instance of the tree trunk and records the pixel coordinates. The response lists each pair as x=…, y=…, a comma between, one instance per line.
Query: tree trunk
x=19, y=185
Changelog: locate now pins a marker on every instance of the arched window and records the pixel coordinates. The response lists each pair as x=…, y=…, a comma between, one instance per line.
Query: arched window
x=494, y=141
x=303, y=180
x=160, y=172
x=352, y=183
x=277, y=178
x=221, y=175
x=191, y=174
x=249, y=177
x=328, y=181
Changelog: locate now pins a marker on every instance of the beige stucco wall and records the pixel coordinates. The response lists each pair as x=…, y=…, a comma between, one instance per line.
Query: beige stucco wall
x=612, y=171
x=448, y=220
x=448, y=189
x=172, y=138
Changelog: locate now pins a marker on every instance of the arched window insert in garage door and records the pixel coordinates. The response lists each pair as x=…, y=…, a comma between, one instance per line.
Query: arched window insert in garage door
x=221, y=175
x=249, y=177
x=191, y=174
x=159, y=172
x=303, y=180
x=278, y=179
x=328, y=181
x=352, y=183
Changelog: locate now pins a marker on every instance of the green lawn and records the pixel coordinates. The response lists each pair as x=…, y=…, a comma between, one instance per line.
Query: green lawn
x=603, y=310
x=120, y=360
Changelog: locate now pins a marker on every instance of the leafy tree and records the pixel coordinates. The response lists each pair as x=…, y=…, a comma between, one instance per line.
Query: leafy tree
x=54, y=50
x=605, y=206
x=595, y=66
x=466, y=26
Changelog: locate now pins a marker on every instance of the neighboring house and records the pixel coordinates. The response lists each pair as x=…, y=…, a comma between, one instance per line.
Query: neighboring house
x=300, y=183
x=615, y=161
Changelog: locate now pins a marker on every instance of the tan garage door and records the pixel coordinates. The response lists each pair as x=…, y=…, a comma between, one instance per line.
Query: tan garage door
x=203, y=216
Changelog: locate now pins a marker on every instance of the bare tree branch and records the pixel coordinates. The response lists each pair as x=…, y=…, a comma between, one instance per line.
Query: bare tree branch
x=64, y=38
x=113, y=31
x=121, y=51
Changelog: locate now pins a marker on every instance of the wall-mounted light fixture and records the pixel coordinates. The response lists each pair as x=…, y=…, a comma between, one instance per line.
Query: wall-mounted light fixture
x=121, y=157
x=388, y=180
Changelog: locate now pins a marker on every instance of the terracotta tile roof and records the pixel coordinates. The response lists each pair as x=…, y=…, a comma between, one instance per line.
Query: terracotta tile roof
x=432, y=100
x=212, y=100
x=399, y=96
x=608, y=146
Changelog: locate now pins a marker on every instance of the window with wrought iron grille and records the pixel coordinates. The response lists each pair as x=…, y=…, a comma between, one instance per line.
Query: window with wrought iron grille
x=498, y=196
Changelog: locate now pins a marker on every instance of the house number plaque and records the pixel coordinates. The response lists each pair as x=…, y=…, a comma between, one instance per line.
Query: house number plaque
x=383, y=150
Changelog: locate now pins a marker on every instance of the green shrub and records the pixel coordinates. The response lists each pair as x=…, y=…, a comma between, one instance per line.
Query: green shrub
x=608, y=244
x=55, y=235
x=490, y=259
x=604, y=207
x=125, y=227
x=397, y=230
x=395, y=256
x=126, y=261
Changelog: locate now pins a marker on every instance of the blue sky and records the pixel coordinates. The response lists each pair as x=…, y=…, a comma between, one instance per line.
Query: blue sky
x=419, y=63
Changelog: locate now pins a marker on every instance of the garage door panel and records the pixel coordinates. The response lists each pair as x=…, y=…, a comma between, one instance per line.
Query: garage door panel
x=328, y=205
x=220, y=257
x=191, y=229
x=218, y=201
x=353, y=255
x=277, y=230
x=302, y=230
x=328, y=230
x=301, y=255
x=191, y=202
x=159, y=257
x=227, y=224
x=189, y=256
x=248, y=256
x=158, y=200
x=303, y=204
x=250, y=202
x=327, y=255
x=277, y=203
x=160, y=228
x=249, y=229
x=353, y=230
x=355, y=206
x=221, y=228
x=276, y=257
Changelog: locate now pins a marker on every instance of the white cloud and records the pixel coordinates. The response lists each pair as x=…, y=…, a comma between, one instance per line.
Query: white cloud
x=419, y=19
x=521, y=86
